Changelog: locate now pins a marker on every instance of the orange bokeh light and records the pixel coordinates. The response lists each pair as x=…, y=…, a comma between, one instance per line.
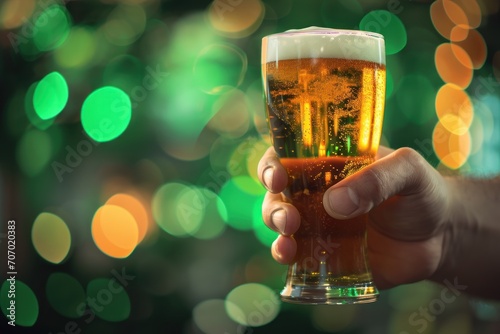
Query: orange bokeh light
x=453, y=65
x=237, y=18
x=115, y=231
x=472, y=10
x=453, y=150
x=136, y=209
x=454, y=109
x=445, y=15
x=475, y=46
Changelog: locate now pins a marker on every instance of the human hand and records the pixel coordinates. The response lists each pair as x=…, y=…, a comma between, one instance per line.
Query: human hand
x=408, y=206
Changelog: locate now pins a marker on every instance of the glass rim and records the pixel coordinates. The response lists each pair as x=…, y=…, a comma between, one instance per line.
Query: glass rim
x=325, y=31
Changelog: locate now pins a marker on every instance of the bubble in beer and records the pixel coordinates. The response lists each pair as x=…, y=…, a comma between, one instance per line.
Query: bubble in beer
x=106, y=113
x=252, y=304
x=389, y=25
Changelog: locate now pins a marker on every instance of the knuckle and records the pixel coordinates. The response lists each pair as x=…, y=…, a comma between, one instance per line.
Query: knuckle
x=374, y=185
x=409, y=156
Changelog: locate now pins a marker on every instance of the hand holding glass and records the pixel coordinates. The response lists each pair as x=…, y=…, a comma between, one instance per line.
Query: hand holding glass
x=325, y=94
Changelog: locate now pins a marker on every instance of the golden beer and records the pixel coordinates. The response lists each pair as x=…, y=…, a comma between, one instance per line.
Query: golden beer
x=325, y=93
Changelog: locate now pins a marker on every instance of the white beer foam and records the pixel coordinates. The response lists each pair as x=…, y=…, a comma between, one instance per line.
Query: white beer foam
x=316, y=42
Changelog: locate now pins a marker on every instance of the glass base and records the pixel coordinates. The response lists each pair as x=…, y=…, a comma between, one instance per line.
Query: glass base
x=330, y=295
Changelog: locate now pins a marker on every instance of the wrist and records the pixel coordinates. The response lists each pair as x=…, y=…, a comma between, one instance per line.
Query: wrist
x=454, y=217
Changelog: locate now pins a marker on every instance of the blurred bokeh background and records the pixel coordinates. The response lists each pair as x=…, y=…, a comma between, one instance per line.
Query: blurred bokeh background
x=130, y=135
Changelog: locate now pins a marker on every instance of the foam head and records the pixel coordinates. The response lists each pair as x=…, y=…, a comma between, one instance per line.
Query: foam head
x=315, y=42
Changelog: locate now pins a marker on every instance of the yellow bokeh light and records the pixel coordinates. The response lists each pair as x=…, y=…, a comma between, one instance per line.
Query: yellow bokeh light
x=125, y=24
x=77, y=50
x=136, y=209
x=453, y=65
x=14, y=12
x=115, y=231
x=453, y=150
x=237, y=18
x=454, y=109
x=210, y=316
x=252, y=304
x=51, y=237
x=231, y=116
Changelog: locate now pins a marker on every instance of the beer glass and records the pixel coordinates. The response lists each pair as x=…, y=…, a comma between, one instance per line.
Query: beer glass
x=325, y=95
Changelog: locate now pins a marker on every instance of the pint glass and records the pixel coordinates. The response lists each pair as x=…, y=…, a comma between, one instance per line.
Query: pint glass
x=325, y=94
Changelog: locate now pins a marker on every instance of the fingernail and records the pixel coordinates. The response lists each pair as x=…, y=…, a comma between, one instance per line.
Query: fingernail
x=274, y=246
x=267, y=176
x=278, y=218
x=343, y=201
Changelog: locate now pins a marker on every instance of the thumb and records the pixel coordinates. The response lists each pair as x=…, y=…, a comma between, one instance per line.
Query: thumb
x=402, y=172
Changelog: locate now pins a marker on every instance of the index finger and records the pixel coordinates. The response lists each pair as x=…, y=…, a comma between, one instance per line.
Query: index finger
x=271, y=172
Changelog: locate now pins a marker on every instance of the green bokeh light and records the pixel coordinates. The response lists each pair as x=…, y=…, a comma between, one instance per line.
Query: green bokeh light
x=263, y=233
x=110, y=300
x=389, y=25
x=33, y=161
x=106, y=113
x=178, y=209
x=239, y=204
x=220, y=67
x=50, y=96
x=35, y=120
x=51, y=28
x=249, y=185
x=214, y=221
x=26, y=303
x=65, y=294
